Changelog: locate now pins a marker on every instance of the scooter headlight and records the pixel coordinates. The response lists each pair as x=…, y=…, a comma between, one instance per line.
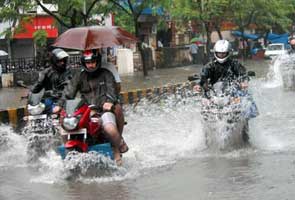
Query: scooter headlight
x=37, y=109
x=70, y=123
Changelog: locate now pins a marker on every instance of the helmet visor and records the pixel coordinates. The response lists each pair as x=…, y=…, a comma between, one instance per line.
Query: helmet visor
x=221, y=55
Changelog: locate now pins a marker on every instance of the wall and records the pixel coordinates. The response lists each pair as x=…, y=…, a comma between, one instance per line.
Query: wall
x=176, y=56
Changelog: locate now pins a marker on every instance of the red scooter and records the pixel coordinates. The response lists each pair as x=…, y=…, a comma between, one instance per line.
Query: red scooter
x=82, y=131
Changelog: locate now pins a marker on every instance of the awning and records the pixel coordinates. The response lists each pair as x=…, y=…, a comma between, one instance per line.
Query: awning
x=275, y=38
x=245, y=35
x=146, y=11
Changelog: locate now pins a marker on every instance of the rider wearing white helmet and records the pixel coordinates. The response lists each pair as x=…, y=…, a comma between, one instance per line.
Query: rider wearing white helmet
x=221, y=67
x=222, y=50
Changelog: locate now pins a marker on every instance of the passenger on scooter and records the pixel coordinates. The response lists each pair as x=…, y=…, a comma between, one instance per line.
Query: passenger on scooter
x=97, y=87
x=222, y=67
x=112, y=68
x=54, y=78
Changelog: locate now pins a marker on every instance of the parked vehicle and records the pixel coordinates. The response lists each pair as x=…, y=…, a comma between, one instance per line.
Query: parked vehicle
x=275, y=49
x=41, y=126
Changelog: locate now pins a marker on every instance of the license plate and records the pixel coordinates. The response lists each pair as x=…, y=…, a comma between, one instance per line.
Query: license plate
x=34, y=117
x=76, y=132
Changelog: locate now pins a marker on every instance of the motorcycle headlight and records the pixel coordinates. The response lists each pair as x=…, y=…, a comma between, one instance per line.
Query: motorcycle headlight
x=70, y=123
x=37, y=109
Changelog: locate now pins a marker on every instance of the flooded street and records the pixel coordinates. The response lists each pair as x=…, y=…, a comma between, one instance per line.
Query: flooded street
x=168, y=158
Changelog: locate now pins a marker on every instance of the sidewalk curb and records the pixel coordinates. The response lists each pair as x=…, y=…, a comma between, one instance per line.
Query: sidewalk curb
x=15, y=115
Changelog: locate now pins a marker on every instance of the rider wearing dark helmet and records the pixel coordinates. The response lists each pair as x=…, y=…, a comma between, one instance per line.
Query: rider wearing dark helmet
x=54, y=77
x=97, y=86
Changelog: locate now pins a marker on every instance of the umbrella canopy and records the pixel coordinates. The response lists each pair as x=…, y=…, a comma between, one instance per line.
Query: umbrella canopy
x=197, y=40
x=93, y=37
x=3, y=53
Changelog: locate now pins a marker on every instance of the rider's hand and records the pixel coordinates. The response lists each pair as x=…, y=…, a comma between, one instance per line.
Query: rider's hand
x=56, y=109
x=197, y=88
x=244, y=85
x=107, y=106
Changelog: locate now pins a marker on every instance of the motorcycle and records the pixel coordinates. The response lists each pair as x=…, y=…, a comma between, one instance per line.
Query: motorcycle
x=226, y=109
x=40, y=119
x=82, y=131
x=41, y=126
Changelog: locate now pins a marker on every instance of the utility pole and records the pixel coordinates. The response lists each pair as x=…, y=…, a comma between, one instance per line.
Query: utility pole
x=84, y=12
x=84, y=7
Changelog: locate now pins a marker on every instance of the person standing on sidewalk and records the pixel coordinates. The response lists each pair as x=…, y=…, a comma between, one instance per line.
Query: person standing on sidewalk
x=194, y=51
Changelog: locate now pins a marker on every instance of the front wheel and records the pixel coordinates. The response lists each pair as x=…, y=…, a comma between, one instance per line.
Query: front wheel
x=245, y=132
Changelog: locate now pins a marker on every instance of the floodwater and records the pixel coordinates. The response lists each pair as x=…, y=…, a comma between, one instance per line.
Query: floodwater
x=168, y=158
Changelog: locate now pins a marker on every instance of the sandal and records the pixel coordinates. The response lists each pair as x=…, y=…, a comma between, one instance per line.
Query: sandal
x=123, y=147
x=119, y=162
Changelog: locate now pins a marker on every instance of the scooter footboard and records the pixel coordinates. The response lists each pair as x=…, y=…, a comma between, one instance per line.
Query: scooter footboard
x=104, y=149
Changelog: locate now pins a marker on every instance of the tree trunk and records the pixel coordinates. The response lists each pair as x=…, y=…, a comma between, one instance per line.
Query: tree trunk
x=219, y=32
x=208, y=42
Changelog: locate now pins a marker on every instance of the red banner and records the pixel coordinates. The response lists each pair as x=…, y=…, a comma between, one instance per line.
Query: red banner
x=37, y=23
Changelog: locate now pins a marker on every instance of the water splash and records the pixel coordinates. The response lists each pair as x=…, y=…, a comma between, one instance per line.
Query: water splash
x=11, y=148
x=282, y=72
x=163, y=131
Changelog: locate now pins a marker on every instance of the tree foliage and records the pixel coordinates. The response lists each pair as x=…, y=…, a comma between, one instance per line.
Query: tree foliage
x=40, y=38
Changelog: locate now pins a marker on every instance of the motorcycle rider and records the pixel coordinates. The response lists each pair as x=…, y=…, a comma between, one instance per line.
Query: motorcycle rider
x=54, y=78
x=222, y=67
x=97, y=86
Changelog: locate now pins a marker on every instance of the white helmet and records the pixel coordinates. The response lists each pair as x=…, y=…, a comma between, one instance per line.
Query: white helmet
x=222, y=46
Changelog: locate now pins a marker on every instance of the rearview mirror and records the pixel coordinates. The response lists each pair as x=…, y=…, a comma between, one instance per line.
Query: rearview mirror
x=193, y=77
x=251, y=73
x=21, y=84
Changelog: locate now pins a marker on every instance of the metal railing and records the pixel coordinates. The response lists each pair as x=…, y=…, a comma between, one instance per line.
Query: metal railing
x=32, y=64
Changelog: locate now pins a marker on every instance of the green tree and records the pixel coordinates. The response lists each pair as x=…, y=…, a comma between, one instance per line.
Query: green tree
x=128, y=13
x=264, y=14
x=274, y=14
x=209, y=12
x=73, y=13
x=11, y=11
x=40, y=38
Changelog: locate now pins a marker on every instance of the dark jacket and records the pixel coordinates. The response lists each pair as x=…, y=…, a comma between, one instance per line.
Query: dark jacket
x=50, y=79
x=95, y=88
x=291, y=51
x=214, y=71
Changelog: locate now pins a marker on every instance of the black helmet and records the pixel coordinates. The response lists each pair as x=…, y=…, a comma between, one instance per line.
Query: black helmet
x=91, y=56
x=57, y=56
